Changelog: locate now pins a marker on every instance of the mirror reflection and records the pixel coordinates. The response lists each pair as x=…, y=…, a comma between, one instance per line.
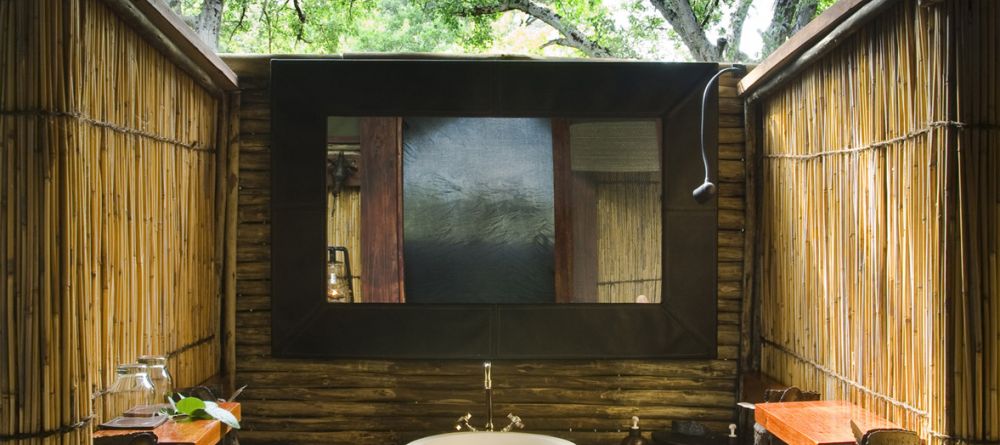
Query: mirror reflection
x=498, y=210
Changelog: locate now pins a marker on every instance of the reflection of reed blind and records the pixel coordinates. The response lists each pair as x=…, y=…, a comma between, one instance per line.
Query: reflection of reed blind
x=625, y=146
x=478, y=218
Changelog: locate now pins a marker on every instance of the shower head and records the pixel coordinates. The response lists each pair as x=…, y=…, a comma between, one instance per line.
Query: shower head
x=706, y=190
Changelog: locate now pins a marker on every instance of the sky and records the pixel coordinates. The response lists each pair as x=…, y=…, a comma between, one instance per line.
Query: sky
x=757, y=21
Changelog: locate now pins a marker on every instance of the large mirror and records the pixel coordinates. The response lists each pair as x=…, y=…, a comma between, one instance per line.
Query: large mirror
x=490, y=209
x=506, y=210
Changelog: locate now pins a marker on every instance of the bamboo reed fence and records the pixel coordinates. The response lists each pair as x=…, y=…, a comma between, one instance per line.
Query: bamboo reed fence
x=629, y=230
x=344, y=229
x=976, y=266
x=109, y=234
x=863, y=293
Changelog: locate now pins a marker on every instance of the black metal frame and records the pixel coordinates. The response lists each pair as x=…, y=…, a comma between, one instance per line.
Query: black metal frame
x=305, y=92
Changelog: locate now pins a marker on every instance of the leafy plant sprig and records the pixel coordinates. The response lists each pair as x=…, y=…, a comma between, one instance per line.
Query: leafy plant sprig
x=193, y=408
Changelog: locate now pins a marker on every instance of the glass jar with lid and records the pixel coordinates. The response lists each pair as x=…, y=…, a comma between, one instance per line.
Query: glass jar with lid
x=158, y=375
x=131, y=388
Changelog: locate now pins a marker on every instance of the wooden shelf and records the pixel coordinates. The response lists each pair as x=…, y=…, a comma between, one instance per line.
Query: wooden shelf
x=198, y=432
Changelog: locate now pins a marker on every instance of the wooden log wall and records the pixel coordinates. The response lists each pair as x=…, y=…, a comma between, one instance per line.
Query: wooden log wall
x=878, y=232
x=107, y=188
x=392, y=402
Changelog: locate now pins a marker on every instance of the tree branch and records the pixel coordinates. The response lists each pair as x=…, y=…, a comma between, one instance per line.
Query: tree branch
x=681, y=18
x=708, y=13
x=302, y=21
x=209, y=22
x=736, y=21
x=239, y=23
x=572, y=36
x=781, y=25
x=804, y=14
x=789, y=17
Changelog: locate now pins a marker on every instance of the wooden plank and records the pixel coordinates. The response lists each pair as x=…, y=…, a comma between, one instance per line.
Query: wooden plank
x=382, y=210
x=562, y=189
x=799, y=42
x=230, y=179
x=198, y=432
x=575, y=222
x=825, y=422
x=749, y=319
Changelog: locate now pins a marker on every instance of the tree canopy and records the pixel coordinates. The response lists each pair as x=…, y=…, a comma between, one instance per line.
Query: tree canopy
x=704, y=30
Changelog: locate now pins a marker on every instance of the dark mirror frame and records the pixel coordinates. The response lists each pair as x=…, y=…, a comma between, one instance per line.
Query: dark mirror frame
x=305, y=92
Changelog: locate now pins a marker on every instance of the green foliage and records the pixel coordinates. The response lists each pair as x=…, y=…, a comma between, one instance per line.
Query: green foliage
x=627, y=28
x=821, y=6
x=403, y=25
x=272, y=26
x=193, y=408
x=709, y=12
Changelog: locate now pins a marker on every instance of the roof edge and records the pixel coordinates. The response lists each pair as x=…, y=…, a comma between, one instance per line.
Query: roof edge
x=802, y=41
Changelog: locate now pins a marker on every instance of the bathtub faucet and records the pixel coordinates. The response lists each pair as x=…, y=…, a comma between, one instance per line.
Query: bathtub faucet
x=463, y=422
x=488, y=387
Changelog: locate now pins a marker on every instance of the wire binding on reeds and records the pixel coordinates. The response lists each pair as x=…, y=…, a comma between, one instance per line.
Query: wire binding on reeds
x=48, y=433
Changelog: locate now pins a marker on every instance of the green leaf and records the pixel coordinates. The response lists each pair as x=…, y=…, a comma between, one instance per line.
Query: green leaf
x=189, y=405
x=224, y=416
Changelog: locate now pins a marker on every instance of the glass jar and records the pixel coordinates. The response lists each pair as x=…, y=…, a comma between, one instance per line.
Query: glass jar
x=131, y=388
x=158, y=375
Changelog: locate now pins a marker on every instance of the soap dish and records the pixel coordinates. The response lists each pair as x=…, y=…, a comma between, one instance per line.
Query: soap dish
x=133, y=423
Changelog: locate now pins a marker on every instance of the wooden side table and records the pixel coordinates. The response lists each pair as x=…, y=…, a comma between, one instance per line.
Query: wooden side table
x=198, y=432
x=825, y=422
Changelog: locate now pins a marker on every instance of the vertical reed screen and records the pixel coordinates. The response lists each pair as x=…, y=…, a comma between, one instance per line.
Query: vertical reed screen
x=107, y=184
x=977, y=267
x=853, y=202
x=628, y=237
x=344, y=229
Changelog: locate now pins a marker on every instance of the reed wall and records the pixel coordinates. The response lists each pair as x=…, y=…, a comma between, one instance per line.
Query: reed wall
x=395, y=401
x=107, y=187
x=866, y=240
x=976, y=265
x=344, y=229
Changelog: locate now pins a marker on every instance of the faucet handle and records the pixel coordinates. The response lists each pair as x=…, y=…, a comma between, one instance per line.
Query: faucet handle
x=515, y=421
x=464, y=421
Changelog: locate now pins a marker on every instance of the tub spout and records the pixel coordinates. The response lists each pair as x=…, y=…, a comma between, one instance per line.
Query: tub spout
x=488, y=386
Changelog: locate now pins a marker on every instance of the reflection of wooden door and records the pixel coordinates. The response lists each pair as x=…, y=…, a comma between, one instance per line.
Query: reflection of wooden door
x=607, y=210
x=575, y=215
x=382, y=210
